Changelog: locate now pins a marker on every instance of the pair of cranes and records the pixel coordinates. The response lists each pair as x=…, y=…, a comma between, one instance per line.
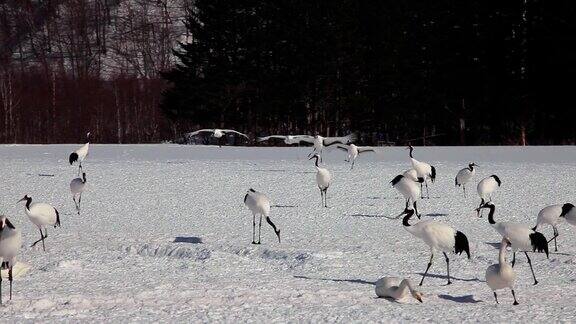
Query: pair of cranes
x=42, y=215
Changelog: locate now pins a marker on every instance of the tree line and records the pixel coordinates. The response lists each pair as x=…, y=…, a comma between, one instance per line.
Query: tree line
x=437, y=73
x=441, y=72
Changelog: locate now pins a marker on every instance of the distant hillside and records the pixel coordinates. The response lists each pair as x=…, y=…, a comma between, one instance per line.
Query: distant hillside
x=88, y=65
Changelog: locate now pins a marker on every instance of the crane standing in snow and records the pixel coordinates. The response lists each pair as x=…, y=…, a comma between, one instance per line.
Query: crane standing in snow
x=485, y=188
x=553, y=214
x=77, y=186
x=409, y=189
x=439, y=237
x=521, y=237
x=259, y=204
x=80, y=154
x=323, y=180
x=424, y=170
x=41, y=215
x=10, y=241
x=464, y=176
x=501, y=275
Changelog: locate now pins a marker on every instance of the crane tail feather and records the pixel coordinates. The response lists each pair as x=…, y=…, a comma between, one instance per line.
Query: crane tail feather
x=461, y=244
x=73, y=158
x=539, y=242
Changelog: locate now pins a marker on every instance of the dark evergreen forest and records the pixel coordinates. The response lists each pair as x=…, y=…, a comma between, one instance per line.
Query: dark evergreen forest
x=438, y=72
x=426, y=72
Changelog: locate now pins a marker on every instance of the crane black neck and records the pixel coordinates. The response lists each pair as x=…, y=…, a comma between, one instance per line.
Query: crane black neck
x=411, y=149
x=471, y=167
x=407, y=218
x=28, y=202
x=491, y=214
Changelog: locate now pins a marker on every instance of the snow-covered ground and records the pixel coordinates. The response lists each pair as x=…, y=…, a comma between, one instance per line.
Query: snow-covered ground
x=164, y=235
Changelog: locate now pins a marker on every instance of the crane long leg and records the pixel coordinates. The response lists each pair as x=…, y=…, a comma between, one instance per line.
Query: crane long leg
x=554, y=238
x=447, y=267
x=321, y=197
x=42, y=237
x=416, y=210
x=531, y=269
x=259, y=228
x=421, y=190
x=75, y=203
x=513, y=259
x=427, y=192
x=10, y=279
x=427, y=268
x=0, y=289
x=352, y=164
x=326, y=197
x=464, y=188
x=253, y=228
x=514, y=295
x=79, y=202
x=496, y=297
x=481, y=210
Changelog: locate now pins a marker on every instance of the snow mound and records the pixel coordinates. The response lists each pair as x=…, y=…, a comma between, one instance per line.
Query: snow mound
x=169, y=251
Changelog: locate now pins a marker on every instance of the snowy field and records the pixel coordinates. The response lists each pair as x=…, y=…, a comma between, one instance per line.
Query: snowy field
x=165, y=236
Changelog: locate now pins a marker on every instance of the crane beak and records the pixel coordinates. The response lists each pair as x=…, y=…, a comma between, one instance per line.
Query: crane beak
x=23, y=199
x=478, y=211
x=419, y=298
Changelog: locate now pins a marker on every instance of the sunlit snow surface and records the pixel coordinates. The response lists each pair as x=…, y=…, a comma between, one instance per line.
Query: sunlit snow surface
x=164, y=235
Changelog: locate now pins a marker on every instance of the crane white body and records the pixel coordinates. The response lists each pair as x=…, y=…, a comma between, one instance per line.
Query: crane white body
x=353, y=152
x=320, y=142
x=501, y=275
x=553, y=214
x=396, y=288
x=42, y=215
x=323, y=180
x=424, y=171
x=411, y=174
x=486, y=188
x=216, y=132
x=409, y=189
x=521, y=237
x=80, y=154
x=259, y=205
x=288, y=139
x=10, y=242
x=464, y=176
x=439, y=237
x=77, y=186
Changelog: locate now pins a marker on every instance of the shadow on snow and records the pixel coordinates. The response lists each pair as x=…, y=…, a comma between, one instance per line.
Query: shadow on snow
x=187, y=239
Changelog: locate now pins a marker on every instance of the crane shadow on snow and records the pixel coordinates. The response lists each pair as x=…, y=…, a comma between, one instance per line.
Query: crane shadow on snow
x=371, y=216
x=187, y=239
x=436, y=214
x=357, y=281
x=466, y=299
x=431, y=275
x=497, y=247
x=383, y=197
